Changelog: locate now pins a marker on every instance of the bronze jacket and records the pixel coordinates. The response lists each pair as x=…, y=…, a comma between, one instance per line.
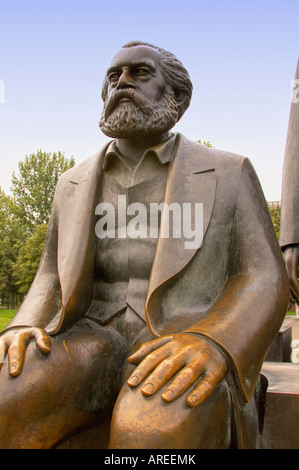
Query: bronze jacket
x=233, y=289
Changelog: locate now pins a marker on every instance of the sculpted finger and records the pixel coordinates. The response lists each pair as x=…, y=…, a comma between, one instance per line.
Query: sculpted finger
x=16, y=355
x=202, y=391
x=162, y=374
x=43, y=341
x=187, y=376
x=148, y=365
x=147, y=348
x=3, y=350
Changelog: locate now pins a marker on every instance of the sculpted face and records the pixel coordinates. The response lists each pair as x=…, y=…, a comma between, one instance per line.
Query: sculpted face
x=138, y=102
x=137, y=67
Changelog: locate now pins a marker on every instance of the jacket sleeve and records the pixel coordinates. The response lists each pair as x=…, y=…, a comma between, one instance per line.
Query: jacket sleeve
x=249, y=311
x=43, y=300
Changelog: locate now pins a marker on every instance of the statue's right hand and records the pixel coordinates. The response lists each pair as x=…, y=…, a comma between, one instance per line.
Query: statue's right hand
x=14, y=343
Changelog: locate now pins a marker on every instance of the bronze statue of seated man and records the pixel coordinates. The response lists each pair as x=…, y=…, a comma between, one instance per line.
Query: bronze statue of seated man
x=129, y=317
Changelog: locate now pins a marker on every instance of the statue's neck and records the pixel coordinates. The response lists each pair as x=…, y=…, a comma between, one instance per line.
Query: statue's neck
x=132, y=149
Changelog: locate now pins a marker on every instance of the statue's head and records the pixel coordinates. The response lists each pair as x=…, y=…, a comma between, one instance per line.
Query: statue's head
x=146, y=91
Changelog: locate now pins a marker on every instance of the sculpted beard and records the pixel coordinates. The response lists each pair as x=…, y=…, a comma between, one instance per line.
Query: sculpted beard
x=138, y=116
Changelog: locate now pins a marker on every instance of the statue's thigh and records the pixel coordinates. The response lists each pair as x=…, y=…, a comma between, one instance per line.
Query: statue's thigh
x=149, y=423
x=76, y=384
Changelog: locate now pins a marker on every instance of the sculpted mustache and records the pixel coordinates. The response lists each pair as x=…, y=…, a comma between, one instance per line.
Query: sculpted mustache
x=133, y=95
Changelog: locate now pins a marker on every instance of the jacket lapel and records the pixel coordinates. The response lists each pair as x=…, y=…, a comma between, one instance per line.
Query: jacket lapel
x=191, y=179
x=76, y=243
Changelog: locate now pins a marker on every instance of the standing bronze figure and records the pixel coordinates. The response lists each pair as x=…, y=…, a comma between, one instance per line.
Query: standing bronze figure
x=169, y=336
x=289, y=227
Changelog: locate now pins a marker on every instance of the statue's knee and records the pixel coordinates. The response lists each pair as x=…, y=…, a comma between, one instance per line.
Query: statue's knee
x=148, y=422
x=140, y=422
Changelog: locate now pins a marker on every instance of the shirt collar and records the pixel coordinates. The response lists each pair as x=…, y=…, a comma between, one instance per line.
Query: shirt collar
x=163, y=151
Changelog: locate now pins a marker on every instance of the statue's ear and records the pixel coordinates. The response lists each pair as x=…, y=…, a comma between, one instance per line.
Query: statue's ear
x=182, y=101
x=180, y=96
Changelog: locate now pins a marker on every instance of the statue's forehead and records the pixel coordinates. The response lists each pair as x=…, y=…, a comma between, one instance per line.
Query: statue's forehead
x=136, y=54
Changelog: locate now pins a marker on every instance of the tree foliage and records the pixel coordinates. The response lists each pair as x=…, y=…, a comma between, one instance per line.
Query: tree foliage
x=12, y=237
x=208, y=143
x=33, y=188
x=28, y=258
x=275, y=213
x=24, y=217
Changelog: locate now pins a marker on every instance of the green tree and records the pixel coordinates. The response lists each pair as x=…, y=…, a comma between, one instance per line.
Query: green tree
x=28, y=259
x=23, y=220
x=33, y=188
x=275, y=212
x=12, y=237
x=208, y=143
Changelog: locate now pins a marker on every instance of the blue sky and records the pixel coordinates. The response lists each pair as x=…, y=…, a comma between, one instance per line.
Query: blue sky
x=241, y=57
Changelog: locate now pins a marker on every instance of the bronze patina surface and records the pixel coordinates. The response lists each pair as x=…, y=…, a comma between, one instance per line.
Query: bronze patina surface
x=166, y=336
x=289, y=227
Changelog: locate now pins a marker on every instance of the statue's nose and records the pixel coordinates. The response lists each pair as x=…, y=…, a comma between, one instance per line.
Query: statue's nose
x=125, y=80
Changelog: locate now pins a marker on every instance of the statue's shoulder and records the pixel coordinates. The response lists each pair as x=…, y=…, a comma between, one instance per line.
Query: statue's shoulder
x=227, y=159
x=82, y=170
x=222, y=159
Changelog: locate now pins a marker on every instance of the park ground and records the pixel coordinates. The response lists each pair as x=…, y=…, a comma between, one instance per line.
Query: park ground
x=5, y=316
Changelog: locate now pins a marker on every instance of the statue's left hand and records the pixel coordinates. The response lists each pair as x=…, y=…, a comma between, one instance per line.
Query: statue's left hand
x=189, y=357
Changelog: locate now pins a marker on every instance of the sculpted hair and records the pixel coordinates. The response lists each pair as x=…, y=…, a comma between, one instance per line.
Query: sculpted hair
x=174, y=74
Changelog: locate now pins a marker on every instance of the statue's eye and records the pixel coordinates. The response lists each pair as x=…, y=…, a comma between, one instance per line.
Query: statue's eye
x=142, y=72
x=113, y=77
